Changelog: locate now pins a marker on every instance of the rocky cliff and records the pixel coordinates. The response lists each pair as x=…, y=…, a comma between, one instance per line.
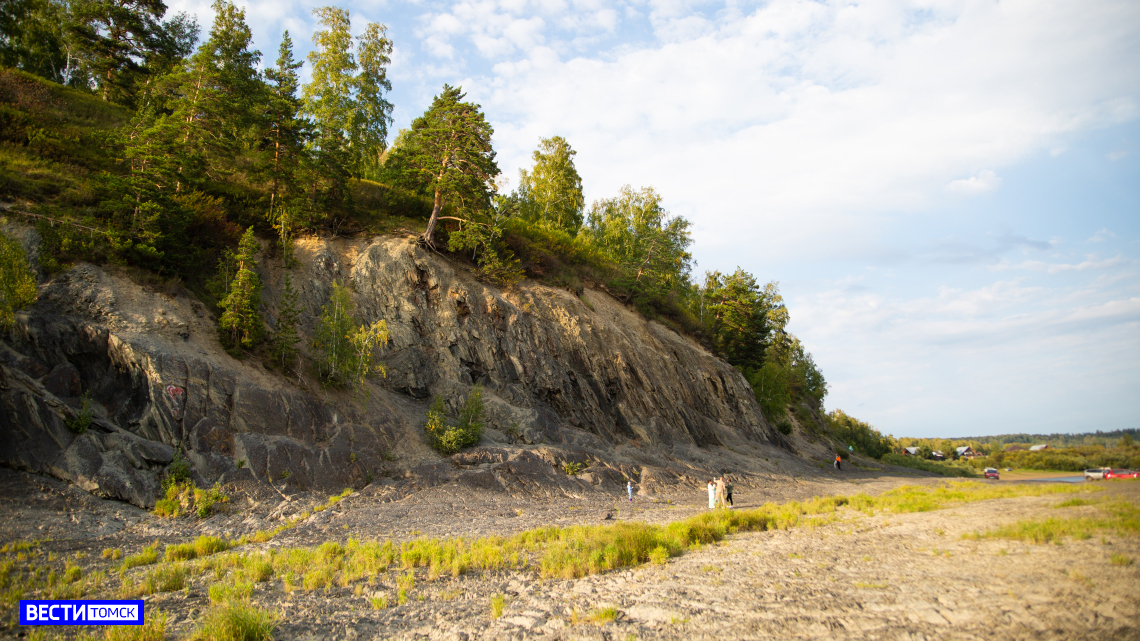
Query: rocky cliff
x=565, y=378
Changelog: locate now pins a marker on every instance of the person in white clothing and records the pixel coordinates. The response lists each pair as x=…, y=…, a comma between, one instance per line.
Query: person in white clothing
x=712, y=495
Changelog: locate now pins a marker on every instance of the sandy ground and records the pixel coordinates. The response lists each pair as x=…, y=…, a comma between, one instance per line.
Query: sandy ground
x=889, y=576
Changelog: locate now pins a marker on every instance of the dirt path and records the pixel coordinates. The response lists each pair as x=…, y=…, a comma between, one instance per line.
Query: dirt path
x=894, y=576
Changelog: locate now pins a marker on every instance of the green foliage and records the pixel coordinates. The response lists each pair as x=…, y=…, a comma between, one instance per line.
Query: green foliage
x=649, y=246
x=447, y=153
x=571, y=468
x=770, y=385
x=183, y=497
x=285, y=336
x=736, y=311
x=850, y=431
x=449, y=436
x=349, y=346
x=551, y=192
x=17, y=282
x=237, y=621
x=345, y=98
x=178, y=472
x=83, y=417
x=240, y=325
x=938, y=467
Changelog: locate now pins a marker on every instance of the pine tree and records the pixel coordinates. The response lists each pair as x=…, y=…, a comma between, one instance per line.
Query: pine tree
x=285, y=337
x=448, y=152
x=240, y=323
x=286, y=136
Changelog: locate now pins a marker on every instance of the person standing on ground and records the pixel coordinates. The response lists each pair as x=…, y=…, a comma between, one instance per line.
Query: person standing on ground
x=837, y=462
x=712, y=494
x=720, y=491
x=728, y=490
x=629, y=490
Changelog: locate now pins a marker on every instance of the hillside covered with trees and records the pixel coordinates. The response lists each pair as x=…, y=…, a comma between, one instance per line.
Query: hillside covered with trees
x=130, y=137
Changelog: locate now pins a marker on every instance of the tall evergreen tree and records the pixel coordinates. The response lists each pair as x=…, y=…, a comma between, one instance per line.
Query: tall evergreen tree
x=285, y=336
x=287, y=133
x=448, y=153
x=240, y=324
x=114, y=36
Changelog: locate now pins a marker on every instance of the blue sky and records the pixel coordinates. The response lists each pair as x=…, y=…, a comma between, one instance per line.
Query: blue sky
x=947, y=191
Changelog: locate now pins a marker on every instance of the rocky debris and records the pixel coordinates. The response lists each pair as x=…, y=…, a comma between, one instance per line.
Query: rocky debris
x=566, y=379
x=888, y=576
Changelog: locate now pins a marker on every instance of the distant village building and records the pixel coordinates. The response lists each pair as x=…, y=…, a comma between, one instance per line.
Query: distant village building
x=910, y=451
x=937, y=455
x=966, y=452
x=1038, y=448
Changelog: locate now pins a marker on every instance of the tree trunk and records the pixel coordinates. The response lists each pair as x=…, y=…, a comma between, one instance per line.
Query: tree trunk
x=437, y=206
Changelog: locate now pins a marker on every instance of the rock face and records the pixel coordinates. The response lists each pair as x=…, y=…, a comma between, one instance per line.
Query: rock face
x=564, y=378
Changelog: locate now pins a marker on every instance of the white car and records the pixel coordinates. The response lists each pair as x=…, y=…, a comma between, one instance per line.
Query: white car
x=1095, y=474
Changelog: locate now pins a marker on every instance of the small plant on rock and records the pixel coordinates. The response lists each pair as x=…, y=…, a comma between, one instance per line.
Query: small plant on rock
x=573, y=468
x=449, y=436
x=83, y=417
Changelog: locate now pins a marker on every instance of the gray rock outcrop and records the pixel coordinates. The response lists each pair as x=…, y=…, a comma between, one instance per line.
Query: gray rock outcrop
x=565, y=378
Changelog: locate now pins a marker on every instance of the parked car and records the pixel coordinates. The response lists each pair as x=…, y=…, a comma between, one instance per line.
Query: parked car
x=1095, y=474
x=1121, y=474
x=991, y=473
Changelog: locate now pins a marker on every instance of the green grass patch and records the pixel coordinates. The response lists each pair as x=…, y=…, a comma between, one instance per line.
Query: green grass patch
x=945, y=468
x=498, y=603
x=238, y=621
x=1120, y=517
x=148, y=556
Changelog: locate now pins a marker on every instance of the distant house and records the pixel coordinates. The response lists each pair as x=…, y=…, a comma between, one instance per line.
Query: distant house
x=937, y=455
x=1038, y=448
x=1014, y=448
x=910, y=451
x=966, y=452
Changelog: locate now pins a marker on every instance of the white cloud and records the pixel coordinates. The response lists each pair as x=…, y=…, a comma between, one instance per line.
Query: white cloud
x=1101, y=236
x=985, y=180
x=1117, y=155
x=1058, y=268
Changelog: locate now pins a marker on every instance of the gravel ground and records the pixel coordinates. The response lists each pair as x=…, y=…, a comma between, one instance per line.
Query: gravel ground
x=897, y=576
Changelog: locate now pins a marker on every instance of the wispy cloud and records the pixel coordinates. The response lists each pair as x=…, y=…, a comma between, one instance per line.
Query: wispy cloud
x=1058, y=268
x=985, y=180
x=1101, y=236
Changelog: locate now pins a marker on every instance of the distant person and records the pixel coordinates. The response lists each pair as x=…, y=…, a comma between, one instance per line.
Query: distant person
x=728, y=490
x=720, y=491
x=629, y=490
x=837, y=463
x=712, y=495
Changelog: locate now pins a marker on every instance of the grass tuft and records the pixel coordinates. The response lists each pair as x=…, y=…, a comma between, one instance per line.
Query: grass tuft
x=238, y=621
x=498, y=602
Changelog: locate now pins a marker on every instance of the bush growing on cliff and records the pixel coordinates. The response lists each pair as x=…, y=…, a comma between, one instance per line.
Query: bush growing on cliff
x=17, y=284
x=349, y=346
x=449, y=436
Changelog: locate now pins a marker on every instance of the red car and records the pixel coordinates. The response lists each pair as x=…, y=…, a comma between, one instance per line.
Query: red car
x=1121, y=474
x=992, y=473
